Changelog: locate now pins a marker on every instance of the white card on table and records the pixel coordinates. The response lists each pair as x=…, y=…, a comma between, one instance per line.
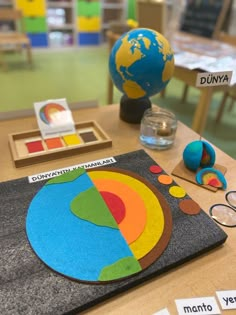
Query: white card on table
x=54, y=118
x=164, y=311
x=227, y=299
x=199, y=306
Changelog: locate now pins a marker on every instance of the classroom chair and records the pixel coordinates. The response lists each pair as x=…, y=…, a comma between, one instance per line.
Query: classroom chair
x=16, y=39
x=230, y=93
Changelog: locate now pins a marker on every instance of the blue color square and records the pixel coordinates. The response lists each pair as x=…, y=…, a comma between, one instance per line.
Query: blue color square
x=38, y=40
x=89, y=38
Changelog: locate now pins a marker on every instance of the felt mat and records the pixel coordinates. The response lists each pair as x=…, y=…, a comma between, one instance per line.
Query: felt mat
x=28, y=286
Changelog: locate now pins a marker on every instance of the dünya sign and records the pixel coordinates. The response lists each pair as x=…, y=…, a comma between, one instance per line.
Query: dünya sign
x=213, y=78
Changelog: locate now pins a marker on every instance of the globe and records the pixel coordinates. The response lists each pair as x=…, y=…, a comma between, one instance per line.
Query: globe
x=141, y=63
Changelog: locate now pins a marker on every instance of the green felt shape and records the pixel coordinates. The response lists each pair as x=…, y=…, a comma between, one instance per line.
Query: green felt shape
x=90, y=206
x=67, y=177
x=121, y=268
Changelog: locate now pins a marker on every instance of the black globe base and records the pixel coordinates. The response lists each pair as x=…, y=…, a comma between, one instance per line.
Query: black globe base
x=131, y=110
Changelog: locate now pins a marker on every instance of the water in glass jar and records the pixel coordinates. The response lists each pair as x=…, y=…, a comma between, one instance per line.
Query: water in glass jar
x=158, y=128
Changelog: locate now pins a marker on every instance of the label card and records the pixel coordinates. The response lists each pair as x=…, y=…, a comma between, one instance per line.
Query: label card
x=54, y=118
x=164, y=311
x=214, y=78
x=47, y=175
x=199, y=306
x=227, y=299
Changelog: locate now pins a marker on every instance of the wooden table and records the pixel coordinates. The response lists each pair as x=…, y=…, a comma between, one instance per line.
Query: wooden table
x=197, y=278
x=187, y=76
x=200, y=46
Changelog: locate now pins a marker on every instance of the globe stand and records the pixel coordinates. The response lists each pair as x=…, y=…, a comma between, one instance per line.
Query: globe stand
x=131, y=110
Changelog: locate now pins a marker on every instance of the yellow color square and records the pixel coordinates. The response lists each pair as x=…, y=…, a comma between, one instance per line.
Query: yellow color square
x=72, y=139
x=88, y=24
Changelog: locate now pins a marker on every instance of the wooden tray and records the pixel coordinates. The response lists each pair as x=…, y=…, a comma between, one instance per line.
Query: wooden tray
x=30, y=148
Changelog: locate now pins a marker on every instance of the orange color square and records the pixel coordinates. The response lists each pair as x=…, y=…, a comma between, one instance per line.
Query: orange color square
x=54, y=143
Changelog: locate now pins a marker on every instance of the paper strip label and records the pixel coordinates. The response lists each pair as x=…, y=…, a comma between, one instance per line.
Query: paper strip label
x=227, y=299
x=47, y=175
x=213, y=78
x=164, y=311
x=199, y=306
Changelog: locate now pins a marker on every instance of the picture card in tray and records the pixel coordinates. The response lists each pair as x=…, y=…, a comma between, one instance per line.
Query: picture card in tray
x=54, y=117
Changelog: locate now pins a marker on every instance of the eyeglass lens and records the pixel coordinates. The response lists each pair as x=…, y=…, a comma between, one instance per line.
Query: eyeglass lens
x=224, y=215
x=231, y=198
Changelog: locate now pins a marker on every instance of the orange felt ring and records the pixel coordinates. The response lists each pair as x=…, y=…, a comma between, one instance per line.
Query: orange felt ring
x=155, y=236
x=134, y=221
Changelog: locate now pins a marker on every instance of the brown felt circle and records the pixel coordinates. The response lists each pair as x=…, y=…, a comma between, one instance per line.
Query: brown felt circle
x=189, y=206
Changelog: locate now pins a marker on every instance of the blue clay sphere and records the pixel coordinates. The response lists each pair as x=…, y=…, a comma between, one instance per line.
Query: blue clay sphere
x=198, y=154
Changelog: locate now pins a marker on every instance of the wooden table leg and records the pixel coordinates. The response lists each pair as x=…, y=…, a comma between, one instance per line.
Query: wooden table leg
x=110, y=91
x=221, y=108
x=185, y=93
x=200, y=115
x=2, y=60
x=29, y=54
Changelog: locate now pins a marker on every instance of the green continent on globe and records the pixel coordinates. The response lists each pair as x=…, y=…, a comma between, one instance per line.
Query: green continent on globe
x=120, y=269
x=141, y=63
x=90, y=206
x=67, y=177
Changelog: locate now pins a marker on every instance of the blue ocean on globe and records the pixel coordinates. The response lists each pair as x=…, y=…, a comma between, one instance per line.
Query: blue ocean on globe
x=141, y=63
x=67, y=243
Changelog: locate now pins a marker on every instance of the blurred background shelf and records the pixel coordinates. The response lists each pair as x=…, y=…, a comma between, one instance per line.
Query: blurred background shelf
x=86, y=22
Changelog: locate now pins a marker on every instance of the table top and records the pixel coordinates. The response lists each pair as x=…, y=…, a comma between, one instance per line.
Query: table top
x=184, y=41
x=197, y=278
x=216, y=55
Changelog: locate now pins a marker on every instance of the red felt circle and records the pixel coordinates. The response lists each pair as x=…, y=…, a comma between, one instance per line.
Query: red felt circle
x=155, y=169
x=115, y=205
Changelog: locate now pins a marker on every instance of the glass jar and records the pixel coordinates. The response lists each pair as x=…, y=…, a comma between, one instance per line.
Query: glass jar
x=158, y=128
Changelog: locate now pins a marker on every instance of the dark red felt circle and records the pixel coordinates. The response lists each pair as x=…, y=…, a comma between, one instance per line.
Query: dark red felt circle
x=115, y=205
x=155, y=169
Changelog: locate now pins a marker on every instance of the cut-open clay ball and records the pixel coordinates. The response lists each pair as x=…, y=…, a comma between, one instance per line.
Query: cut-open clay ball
x=198, y=154
x=212, y=177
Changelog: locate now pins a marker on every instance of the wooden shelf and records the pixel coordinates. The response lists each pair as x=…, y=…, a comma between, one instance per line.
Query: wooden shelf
x=68, y=18
x=112, y=11
x=59, y=4
x=64, y=27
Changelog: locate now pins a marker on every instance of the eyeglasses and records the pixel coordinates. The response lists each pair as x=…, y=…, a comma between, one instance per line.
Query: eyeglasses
x=225, y=214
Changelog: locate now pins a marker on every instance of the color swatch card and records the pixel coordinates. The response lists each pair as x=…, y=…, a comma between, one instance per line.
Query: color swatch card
x=54, y=118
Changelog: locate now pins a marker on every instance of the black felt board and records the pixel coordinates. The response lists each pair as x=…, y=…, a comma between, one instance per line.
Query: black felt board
x=27, y=286
x=200, y=17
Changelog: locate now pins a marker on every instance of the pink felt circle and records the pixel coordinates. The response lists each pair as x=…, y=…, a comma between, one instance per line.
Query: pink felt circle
x=155, y=169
